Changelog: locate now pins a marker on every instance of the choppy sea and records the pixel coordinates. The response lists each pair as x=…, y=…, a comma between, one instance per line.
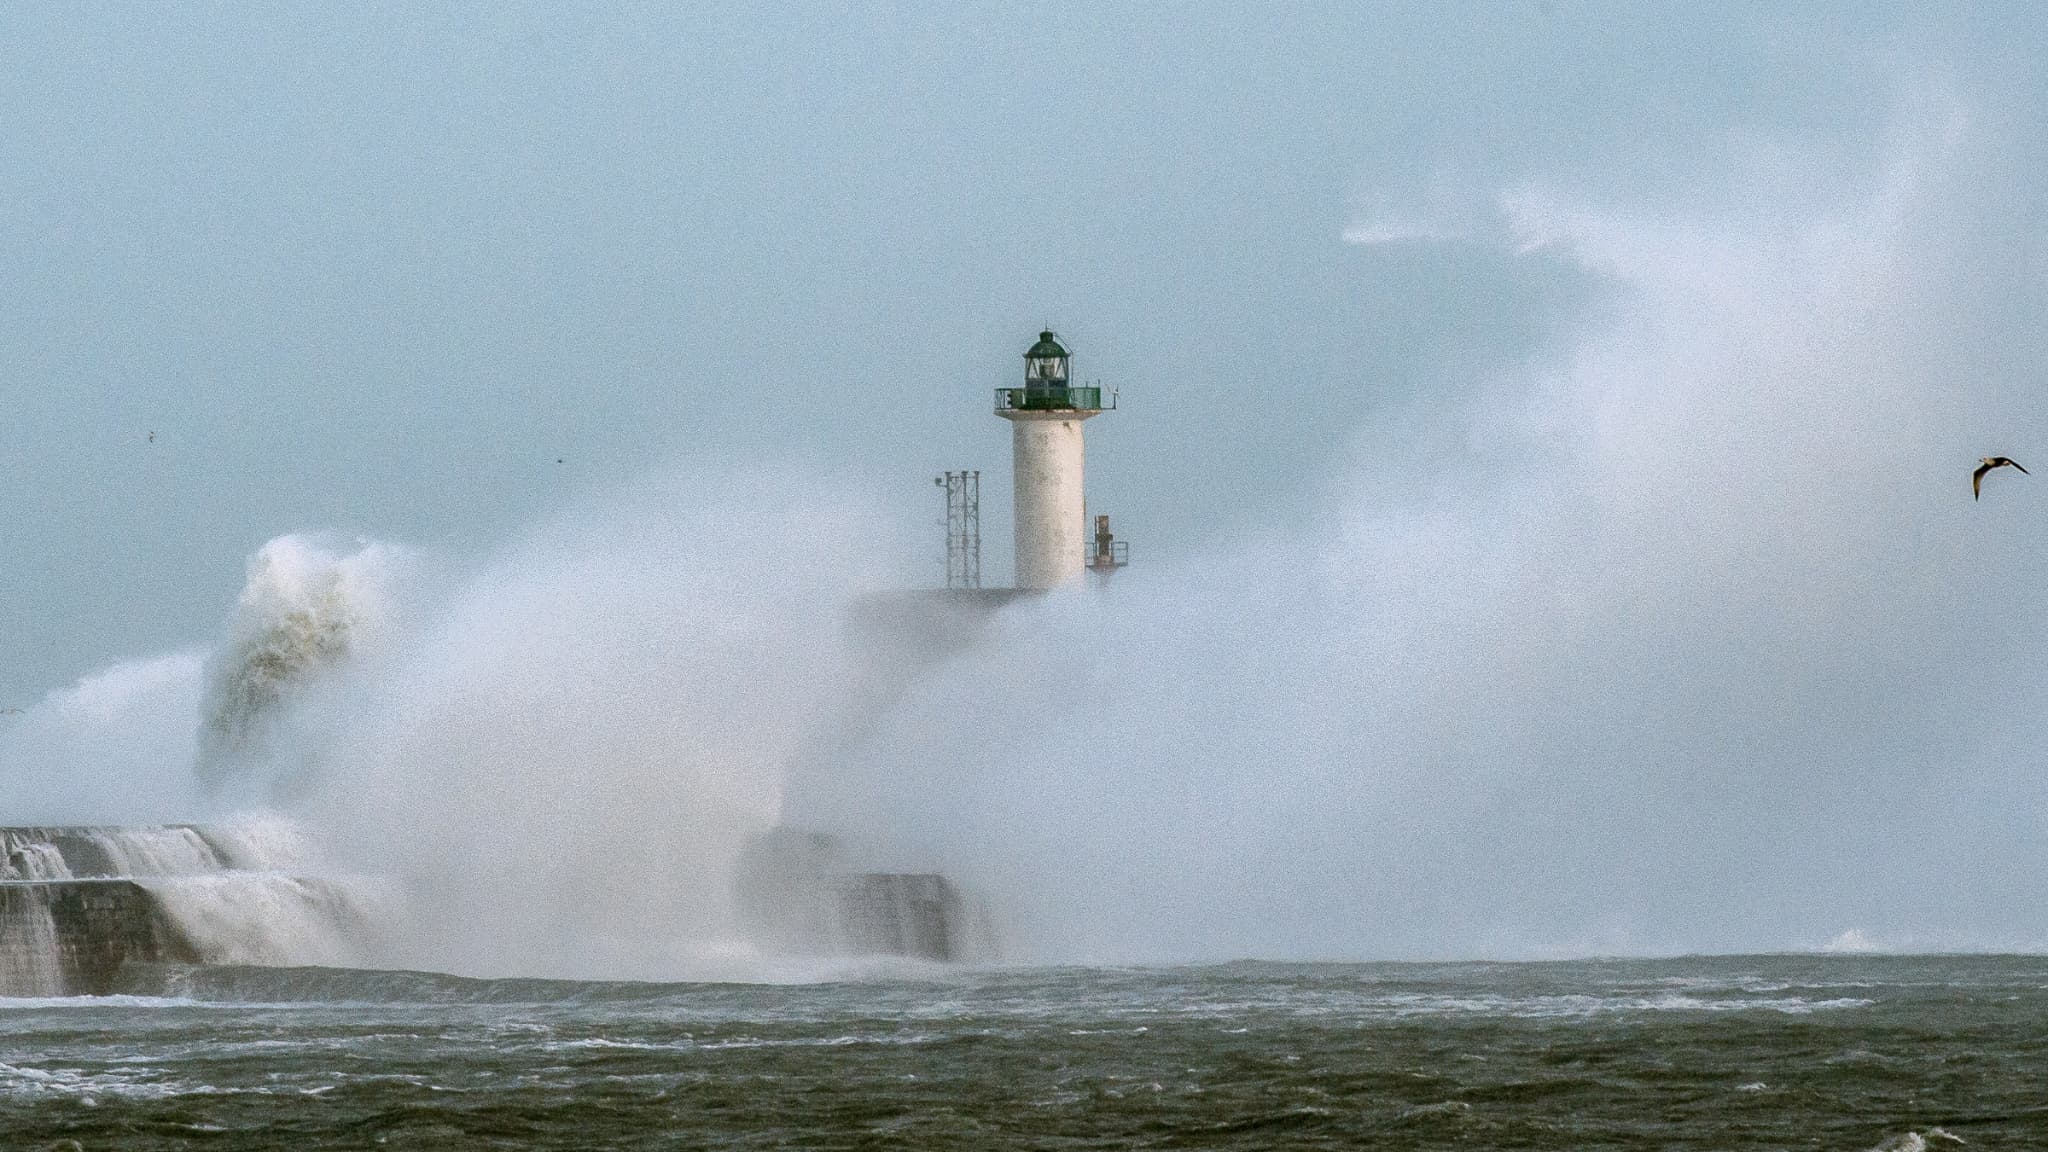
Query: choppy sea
x=1768, y=1052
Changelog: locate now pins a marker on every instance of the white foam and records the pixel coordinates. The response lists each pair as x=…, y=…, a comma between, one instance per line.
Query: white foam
x=36, y=861
x=1853, y=940
x=169, y=851
x=269, y=918
x=135, y=1084
x=1550, y=1007
x=41, y=1003
x=1917, y=1142
x=262, y=841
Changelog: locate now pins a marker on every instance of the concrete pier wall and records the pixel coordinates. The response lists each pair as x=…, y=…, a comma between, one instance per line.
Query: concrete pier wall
x=797, y=896
x=79, y=905
x=74, y=937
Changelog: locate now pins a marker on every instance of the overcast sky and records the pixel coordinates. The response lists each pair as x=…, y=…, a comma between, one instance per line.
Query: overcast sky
x=376, y=268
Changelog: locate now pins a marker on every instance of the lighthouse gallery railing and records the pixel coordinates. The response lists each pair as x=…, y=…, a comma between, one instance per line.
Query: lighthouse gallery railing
x=1050, y=399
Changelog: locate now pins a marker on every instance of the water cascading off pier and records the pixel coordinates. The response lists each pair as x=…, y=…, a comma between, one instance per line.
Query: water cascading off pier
x=82, y=906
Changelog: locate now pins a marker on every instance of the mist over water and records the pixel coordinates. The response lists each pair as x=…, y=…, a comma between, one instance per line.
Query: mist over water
x=544, y=765
x=1683, y=635
x=564, y=760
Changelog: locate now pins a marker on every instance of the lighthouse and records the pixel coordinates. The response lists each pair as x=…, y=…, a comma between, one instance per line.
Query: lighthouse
x=1051, y=510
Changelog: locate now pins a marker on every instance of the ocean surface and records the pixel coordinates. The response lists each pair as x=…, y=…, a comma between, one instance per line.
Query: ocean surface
x=1826, y=1052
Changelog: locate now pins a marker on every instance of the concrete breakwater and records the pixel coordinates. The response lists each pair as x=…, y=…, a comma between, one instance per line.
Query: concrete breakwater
x=797, y=895
x=88, y=910
x=74, y=937
x=80, y=904
x=79, y=853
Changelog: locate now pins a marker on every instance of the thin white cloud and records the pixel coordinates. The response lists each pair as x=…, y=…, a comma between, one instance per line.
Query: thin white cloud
x=1385, y=230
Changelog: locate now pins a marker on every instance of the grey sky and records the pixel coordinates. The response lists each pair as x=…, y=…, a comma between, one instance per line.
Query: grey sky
x=374, y=270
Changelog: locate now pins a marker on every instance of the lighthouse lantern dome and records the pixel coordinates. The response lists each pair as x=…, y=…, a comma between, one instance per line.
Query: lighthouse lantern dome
x=1045, y=365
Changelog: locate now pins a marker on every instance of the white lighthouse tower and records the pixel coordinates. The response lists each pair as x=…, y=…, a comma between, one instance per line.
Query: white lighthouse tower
x=1045, y=418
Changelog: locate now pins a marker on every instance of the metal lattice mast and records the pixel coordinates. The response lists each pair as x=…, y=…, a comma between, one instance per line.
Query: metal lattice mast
x=963, y=528
x=970, y=515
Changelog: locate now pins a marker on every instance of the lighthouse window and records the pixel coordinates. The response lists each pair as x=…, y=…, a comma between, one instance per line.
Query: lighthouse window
x=1048, y=368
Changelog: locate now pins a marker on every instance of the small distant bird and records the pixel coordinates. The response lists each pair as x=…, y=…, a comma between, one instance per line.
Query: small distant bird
x=1986, y=465
x=558, y=459
x=152, y=437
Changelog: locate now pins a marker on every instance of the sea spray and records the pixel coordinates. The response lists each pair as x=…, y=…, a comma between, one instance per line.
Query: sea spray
x=305, y=608
x=1677, y=656
x=274, y=896
x=212, y=894
x=265, y=841
x=33, y=860
x=561, y=763
x=550, y=768
x=276, y=919
x=114, y=748
x=173, y=851
x=253, y=841
x=1662, y=642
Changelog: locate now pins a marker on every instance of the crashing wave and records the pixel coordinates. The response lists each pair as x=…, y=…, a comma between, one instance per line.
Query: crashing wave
x=304, y=610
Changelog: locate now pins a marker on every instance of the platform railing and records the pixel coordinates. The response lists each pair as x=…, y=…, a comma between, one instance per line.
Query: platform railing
x=1051, y=398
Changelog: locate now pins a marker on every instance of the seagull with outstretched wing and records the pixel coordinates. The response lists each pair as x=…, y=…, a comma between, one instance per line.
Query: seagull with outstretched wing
x=1986, y=465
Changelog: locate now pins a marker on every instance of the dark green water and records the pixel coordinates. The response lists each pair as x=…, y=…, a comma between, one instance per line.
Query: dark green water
x=1747, y=1052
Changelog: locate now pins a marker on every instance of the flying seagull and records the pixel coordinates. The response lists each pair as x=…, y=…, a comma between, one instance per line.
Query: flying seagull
x=1986, y=465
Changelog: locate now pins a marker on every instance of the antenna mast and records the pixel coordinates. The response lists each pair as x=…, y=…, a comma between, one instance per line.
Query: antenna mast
x=963, y=528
